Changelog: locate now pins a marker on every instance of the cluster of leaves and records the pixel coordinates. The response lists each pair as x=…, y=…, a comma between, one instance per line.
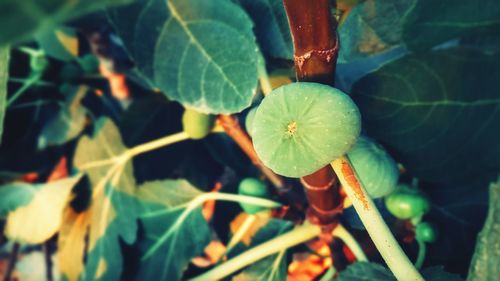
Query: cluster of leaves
x=422, y=73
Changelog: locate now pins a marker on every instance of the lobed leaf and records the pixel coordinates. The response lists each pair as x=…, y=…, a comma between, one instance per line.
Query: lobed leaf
x=200, y=53
x=173, y=235
x=112, y=213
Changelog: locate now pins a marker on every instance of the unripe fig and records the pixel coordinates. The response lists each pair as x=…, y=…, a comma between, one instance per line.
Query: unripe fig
x=196, y=124
x=253, y=187
x=301, y=127
x=426, y=232
x=375, y=168
x=407, y=203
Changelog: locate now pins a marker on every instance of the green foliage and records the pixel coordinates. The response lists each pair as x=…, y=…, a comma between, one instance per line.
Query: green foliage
x=371, y=28
x=301, y=127
x=4, y=76
x=171, y=238
x=271, y=27
x=149, y=215
x=20, y=20
x=374, y=167
x=272, y=268
x=112, y=212
x=429, y=23
x=484, y=264
x=60, y=43
x=177, y=47
x=421, y=105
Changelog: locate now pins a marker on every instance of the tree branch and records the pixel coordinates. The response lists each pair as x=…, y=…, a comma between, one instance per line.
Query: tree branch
x=316, y=49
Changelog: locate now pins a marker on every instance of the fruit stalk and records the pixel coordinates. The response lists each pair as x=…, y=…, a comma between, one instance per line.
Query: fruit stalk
x=315, y=51
x=386, y=244
x=294, y=237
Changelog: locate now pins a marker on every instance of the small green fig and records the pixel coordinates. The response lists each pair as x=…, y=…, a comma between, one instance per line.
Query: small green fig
x=253, y=187
x=407, y=203
x=196, y=124
x=426, y=232
x=249, y=120
x=301, y=127
x=375, y=168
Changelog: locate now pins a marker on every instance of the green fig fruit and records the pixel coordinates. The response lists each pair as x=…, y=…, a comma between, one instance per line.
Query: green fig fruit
x=375, y=168
x=196, y=124
x=301, y=127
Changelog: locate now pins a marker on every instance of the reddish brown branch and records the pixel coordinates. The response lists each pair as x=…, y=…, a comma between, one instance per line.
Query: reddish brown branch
x=316, y=49
x=314, y=39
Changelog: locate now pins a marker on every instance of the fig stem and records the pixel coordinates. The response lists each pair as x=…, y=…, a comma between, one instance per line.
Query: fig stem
x=298, y=235
x=30, y=81
x=155, y=144
x=422, y=249
x=344, y=235
x=294, y=237
x=240, y=232
x=392, y=253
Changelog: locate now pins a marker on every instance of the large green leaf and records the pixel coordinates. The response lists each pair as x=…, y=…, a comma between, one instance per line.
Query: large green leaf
x=438, y=111
x=271, y=27
x=371, y=28
x=486, y=258
x=19, y=20
x=172, y=236
x=200, y=53
x=429, y=22
x=112, y=213
x=4, y=77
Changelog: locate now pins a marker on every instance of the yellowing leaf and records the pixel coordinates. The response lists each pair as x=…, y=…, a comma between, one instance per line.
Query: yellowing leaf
x=112, y=213
x=68, y=40
x=71, y=243
x=41, y=218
